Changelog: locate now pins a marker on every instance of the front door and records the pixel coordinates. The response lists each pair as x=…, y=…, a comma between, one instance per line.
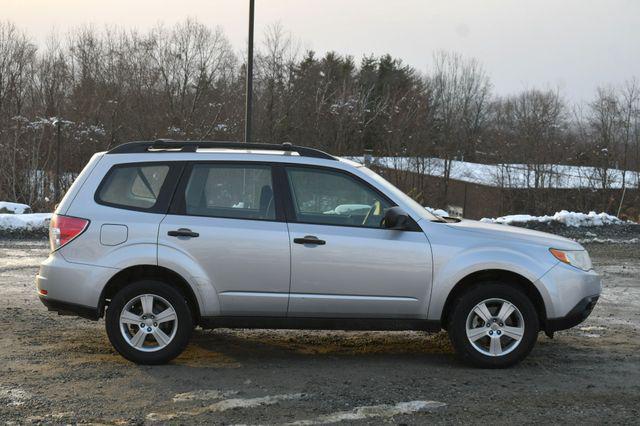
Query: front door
x=343, y=264
x=224, y=218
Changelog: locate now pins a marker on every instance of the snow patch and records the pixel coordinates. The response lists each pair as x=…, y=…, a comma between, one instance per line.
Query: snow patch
x=564, y=217
x=25, y=222
x=608, y=241
x=438, y=212
x=512, y=175
x=372, y=411
x=14, y=208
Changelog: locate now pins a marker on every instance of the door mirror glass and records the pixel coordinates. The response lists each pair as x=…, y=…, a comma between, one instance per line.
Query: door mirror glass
x=396, y=218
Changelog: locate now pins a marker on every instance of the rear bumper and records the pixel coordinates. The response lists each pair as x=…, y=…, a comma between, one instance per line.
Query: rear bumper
x=71, y=287
x=65, y=308
x=579, y=313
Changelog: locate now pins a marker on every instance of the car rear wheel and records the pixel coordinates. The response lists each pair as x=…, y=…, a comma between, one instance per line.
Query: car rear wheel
x=493, y=325
x=149, y=322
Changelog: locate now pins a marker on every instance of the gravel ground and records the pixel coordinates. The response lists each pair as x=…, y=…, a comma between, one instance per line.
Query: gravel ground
x=63, y=370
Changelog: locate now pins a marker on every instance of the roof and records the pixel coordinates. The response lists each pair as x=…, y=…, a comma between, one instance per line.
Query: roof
x=163, y=145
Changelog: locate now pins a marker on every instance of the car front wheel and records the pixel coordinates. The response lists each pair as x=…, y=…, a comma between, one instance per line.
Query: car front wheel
x=149, y=322
x=493, y=325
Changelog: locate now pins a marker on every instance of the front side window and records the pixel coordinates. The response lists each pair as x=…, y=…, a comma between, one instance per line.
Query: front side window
x=133, y=186
x=230, y=191
x=333, y=198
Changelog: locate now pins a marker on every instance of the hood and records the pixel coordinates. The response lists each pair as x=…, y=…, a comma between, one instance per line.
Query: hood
x=507, y=232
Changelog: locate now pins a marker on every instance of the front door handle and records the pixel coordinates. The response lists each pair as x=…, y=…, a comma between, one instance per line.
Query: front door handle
x=309, y=239
x=183, y=232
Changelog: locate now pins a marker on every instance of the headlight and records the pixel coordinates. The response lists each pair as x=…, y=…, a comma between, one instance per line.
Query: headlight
x=577, y=258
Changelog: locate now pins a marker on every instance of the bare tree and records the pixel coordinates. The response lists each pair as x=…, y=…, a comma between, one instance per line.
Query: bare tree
x=630, y=119
x=112, y=85
x=461, y=94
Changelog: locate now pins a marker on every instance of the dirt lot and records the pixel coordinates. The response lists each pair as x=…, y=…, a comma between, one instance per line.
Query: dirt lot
x=62, y=370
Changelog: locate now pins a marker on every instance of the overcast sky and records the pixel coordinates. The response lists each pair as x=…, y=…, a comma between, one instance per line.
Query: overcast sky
x=573, y=45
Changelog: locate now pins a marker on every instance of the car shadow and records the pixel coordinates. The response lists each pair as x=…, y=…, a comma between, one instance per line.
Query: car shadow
x=247, y=345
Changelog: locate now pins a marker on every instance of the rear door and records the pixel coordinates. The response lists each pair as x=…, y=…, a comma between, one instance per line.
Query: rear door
x=226, y=217
x=343, y=264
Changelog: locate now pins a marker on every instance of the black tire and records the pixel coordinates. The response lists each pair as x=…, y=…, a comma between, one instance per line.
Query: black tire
x=171, y=295
x=468, y=301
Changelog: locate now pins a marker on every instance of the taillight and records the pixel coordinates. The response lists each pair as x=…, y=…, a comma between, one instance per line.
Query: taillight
x=63, y=229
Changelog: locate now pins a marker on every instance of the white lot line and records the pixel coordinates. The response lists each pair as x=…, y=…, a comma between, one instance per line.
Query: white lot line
x=358, y=413
x=203, y=395
x=372, y=411
x=224, y=405
x=592, y=328
x=13, y=396
x=52, y=418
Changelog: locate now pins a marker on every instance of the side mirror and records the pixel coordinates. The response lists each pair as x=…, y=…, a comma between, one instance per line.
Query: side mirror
x=395, y=218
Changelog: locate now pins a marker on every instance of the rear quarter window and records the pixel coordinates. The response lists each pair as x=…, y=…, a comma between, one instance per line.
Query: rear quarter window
x=133, y=186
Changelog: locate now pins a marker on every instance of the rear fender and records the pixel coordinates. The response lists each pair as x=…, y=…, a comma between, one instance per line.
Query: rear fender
x=184, y=265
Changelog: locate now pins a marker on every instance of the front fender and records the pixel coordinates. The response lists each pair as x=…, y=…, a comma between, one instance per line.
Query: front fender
x=450, y=270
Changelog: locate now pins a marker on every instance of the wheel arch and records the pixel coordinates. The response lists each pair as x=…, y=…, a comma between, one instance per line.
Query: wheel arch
x=140, y=272
x=501, y=275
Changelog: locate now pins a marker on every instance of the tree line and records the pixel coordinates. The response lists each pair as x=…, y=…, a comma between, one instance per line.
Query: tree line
x=111, y=86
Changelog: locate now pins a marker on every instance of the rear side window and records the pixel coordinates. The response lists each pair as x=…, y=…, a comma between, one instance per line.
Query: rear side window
x=230, y=191
x=134, y=186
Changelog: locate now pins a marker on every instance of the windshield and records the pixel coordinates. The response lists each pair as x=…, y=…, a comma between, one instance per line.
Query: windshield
x=414, y=205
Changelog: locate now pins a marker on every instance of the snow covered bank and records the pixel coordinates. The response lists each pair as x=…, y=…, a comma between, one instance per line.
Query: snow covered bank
x=512, y=175
x=562, y=217
x=16, y=219
x=608, y=241
x=19, y=223
x=439, y=212
x=14, y=208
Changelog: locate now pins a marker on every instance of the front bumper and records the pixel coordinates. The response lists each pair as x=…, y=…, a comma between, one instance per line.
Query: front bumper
x=579, y=313
x=563, y=288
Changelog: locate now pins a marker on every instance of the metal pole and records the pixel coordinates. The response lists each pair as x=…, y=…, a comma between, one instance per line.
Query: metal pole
x=58, y=145
x=249, y=86
x=624, y=190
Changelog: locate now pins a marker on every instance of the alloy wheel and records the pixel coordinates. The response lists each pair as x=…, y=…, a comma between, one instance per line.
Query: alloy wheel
x=148, y=322
x=495, y=327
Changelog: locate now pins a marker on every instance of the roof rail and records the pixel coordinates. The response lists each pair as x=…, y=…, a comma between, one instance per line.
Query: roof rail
x=192, y=146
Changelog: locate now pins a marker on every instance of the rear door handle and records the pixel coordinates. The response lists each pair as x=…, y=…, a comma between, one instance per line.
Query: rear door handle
x=309, y=239
x=183, y=232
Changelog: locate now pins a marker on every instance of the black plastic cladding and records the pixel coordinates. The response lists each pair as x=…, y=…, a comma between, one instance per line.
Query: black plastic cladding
x=192, y=146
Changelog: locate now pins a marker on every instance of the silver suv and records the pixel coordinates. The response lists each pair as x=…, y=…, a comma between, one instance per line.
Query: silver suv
x=160, y=237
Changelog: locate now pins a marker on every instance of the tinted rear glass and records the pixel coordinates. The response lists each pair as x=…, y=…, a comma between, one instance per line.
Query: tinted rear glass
x=230, y=191
x=133, y=186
